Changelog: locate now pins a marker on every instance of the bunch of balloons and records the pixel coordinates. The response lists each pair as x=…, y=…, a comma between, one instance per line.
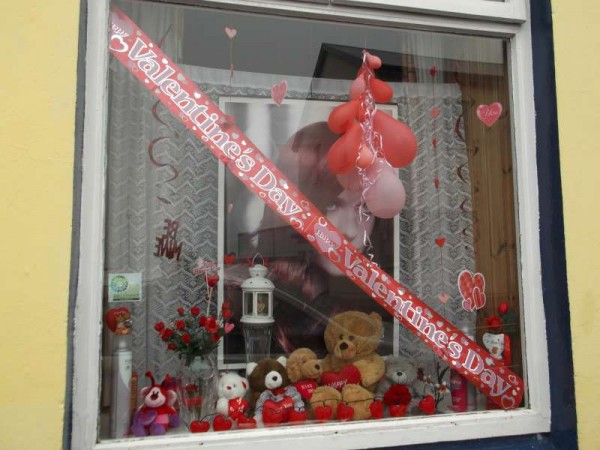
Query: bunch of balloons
x=371, y=144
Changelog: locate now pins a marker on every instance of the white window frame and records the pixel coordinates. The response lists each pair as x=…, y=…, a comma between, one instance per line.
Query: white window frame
x=380, y=433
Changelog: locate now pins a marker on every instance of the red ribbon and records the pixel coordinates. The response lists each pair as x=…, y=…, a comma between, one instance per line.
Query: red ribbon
x=200, y=115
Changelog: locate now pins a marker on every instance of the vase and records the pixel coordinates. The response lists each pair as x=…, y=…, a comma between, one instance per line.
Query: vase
x=197, y=388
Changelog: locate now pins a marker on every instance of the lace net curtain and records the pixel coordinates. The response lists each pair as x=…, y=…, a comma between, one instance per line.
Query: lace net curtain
x=141, y=194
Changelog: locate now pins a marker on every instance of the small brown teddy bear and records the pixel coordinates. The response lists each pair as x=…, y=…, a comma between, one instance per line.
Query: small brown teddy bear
x=278, y=401
x=352, y=369
x=304, y=370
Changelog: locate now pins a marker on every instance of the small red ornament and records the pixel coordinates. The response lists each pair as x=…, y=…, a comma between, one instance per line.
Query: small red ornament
x=323, y=413
x=166, y=334
x=376, y=409
x=503, y=308
x=199, y=426
x=440, y=242
x=494, y=323
x=195, y=311
x=297, y=417
x=212, y=280
x=180, y=324
x=397, y=410
x=427, y=405
x=202, y=321
x=433, y=71
x=221, y=423
x=180, y=311
x=229, y=259
x=159, y=326
x=344, y=412
x=186, y=338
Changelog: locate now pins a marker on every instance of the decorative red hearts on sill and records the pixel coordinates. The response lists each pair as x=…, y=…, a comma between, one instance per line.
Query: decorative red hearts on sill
x=397, y=410
x=297, y=417
x=245, y=423
x=221, y=423
x=376, y=409
x=337, y=380
x=344, y=412
x=427, y=405
x=323, y=413
x=199, y=426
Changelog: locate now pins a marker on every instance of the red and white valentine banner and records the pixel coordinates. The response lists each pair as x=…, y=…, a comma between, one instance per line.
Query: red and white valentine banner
x=201, y=116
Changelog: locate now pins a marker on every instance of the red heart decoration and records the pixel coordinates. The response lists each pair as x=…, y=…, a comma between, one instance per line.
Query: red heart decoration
x=221, y=423
x=472, y=289
x=297, y=416
x=198, y=426
x=278, y=92
x=489, y=114
x=348, y=375
x=306, y=388
x=398, y=410
x=245, y=423
x=323, y=413
x=436, y=182
x=275, y=413
x=443, y=297
x=435, y=112
x=440, y=242
x=427, y=405
x=112, y=318
x=345, y=412
x=433, y=71
x=376, y=409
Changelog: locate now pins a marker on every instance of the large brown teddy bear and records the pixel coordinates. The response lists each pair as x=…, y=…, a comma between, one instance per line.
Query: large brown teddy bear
x=352, y=369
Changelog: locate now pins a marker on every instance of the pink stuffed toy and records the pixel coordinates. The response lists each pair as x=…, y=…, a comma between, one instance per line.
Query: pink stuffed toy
x=157, y=413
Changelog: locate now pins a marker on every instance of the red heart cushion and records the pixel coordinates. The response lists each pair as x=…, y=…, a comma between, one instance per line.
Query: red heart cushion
x=348, y=375
x=306, y=388
x=277, y=412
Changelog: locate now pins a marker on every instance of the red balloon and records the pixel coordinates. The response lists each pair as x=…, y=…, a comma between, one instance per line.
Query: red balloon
x=358, y=86
x=381, y=91
x=342, y=116
x=350, y=181
x=398, y=141
x=343, y=153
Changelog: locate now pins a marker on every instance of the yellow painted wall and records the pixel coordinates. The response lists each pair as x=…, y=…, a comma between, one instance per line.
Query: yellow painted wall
x=37, y=98
x=577, y=43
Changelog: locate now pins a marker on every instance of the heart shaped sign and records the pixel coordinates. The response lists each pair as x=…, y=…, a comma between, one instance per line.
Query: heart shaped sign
x=278, y=92
x=472, y=289
x=348, y=375
x=230, y=32
x=489, y=114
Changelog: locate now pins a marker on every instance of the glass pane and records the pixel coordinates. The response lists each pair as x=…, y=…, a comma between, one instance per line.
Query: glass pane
x=249, y=303
x=185, y=228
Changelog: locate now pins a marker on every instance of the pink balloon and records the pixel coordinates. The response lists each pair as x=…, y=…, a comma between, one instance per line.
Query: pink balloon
x=386, y=197
x=365, y=157
x=351, y=181
x=358, y=86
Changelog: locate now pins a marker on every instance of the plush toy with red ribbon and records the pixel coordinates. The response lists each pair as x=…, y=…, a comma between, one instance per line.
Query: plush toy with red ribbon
x=157, y=413
x=372, y=144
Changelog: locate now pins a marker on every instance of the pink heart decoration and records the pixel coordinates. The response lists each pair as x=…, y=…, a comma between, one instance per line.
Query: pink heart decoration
x=489, y=114
x=230, y=32
x=228, y=327
x=472, y=289
x=440, y=242
x=435, y=112
x=278, y=92
x=436, y=182
x=443, y=297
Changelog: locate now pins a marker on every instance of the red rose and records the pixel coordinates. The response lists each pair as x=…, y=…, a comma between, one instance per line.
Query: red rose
x=186, y=338
x=180, y=324
x=212, y=280
x=202, y=321
x=171, y=346
x=494, y=322
x=159, y=326
x=226, y=305
x=195, y=311
x=166, y=334
x=211, y=325
x=227, y=314
x=215, y=337
x=503, y=308
x=181, y=311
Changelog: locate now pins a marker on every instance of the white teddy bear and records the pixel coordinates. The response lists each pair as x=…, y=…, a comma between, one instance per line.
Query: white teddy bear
x=231, y=390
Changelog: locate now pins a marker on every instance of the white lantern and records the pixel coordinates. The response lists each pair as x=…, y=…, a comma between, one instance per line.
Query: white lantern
x=257, y=314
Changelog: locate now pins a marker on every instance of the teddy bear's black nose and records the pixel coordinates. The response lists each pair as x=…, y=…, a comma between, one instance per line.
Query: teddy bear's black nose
x=318, y=367
x=274, y=377
x=399, y=373
x=343, y=346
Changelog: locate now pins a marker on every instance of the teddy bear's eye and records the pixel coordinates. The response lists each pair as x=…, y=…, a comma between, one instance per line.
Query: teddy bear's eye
x=351, y=338
x=341, y=336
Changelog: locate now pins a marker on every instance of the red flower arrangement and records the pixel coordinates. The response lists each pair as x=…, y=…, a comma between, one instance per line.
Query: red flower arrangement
x=191, y=336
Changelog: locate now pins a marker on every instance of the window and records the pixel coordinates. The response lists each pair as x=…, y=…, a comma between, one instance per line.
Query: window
x=185, y=234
